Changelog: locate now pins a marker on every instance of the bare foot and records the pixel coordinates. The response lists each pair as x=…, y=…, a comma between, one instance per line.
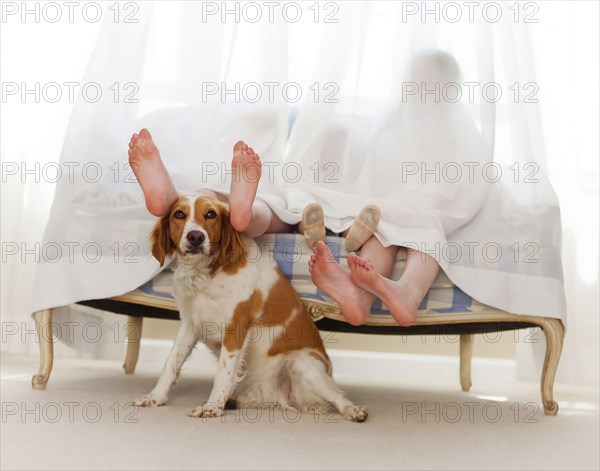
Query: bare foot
x=247, y=170
x=335, y=281
x=151, y=174
x=399, y=299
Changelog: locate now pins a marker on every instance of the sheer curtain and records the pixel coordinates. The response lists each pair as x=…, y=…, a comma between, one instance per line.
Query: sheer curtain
x=480, y=227
x=32, y=135
x=171, y=55
x=565, y=47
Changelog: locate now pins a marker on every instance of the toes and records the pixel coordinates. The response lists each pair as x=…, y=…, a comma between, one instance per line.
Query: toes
x=238, y=146
x=145, y=134
x=351, y=259
x=361, y=262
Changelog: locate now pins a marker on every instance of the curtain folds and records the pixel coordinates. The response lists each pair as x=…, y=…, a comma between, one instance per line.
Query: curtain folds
x=411, y=123
x=436, y=122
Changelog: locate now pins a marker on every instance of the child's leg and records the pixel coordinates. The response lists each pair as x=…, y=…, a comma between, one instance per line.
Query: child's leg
x=402, y=297
x=334, y=280
x=151, y=174
x=382, y=258
x=248, y=215
x=253, y=217
x=264, y=221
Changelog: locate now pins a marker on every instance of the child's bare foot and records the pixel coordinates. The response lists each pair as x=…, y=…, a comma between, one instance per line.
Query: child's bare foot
x=151, y=174
x=335, y=281
x=247, y=170
x=400, y=301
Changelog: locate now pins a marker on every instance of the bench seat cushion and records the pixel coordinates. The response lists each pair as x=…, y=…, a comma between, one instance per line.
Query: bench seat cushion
x=291, y=253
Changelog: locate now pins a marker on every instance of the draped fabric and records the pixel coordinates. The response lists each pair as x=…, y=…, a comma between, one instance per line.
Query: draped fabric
x=435, y=122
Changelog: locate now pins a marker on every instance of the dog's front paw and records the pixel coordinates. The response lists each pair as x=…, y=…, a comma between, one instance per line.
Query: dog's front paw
x=206, y=411
x=150, y=400
x=356, y=413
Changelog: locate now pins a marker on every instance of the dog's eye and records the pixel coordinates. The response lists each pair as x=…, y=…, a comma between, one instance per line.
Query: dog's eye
x=211, y=214
x=179, y=214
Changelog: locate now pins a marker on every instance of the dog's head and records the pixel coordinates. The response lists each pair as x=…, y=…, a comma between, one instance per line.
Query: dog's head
x=198, y=228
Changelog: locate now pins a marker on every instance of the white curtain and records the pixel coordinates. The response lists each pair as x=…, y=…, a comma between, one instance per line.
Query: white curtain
x=566, y=50
x=103, y=209
x=365, y=61
x=412, y=150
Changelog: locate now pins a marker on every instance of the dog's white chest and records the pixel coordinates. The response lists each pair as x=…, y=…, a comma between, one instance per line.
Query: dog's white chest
x=210, y=301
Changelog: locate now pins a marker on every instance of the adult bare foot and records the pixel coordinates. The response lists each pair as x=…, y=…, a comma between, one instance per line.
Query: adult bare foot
x=247, y=170
x=151, y=174
x=335, y=281
x=401, y=301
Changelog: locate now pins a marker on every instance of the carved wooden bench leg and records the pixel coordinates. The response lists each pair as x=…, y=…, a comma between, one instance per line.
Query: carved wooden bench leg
x=43, y=328
x=134, y=335
x=555, y=333
x=466, y=352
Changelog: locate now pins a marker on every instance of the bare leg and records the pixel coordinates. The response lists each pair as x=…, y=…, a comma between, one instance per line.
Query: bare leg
x=402, y=297
x=253, y=218
x=247, y=170
x=265, y=221
x=334, y=280
x=151, y=174
x=382, y=258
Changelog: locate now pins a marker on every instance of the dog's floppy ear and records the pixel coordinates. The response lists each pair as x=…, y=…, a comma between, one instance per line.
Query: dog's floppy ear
x=160, y=240
x=232, y=250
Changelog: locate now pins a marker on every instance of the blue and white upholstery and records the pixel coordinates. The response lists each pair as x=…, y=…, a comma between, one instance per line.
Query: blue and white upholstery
x=291, y=253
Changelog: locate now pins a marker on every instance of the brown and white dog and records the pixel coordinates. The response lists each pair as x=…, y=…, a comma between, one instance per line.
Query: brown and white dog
x=269, y=350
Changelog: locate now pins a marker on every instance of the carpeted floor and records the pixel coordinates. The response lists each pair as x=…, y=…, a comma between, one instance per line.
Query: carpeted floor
x=84, y=421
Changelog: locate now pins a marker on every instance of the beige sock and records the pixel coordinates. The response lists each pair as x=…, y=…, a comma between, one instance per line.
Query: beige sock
x=313, y=220
x=363, y=227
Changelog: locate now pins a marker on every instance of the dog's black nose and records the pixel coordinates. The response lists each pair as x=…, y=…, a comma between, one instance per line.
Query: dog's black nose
x=195, y=238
